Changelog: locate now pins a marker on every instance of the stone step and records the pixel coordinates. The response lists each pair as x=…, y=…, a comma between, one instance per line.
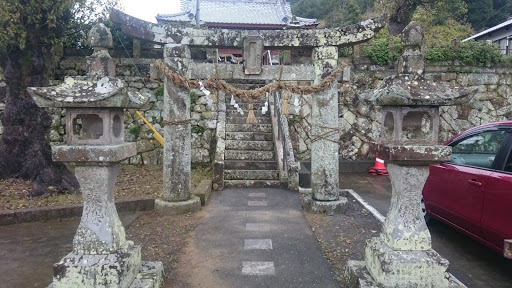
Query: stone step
x=249, y=155
x=246, y=86
x=243, y=119
x=257, y=113
x=251, y=175
x=249, y=145
x=267, y=128
x=245, y=106
x=254, y=184
x=249, y=136
x=250, y=165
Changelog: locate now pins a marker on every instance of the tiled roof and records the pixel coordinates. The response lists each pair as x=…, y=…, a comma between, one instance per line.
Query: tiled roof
x=254, y=12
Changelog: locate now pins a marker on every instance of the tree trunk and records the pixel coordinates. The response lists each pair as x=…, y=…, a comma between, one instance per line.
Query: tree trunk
x=25, y=151
x=401, y=15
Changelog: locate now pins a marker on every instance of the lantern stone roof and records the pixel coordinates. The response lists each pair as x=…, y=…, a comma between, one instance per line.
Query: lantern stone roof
x=83, y=91
x=414, y=90
x=266, y=14
x=99, y=88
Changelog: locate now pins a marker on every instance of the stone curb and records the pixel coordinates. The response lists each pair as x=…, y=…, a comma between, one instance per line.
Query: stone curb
x=203, y=191
x=49, y=213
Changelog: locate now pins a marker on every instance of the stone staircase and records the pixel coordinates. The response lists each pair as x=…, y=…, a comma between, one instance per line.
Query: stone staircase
x=249, y=157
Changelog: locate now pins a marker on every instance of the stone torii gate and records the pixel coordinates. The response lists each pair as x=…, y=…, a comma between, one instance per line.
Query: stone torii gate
x=178, y=40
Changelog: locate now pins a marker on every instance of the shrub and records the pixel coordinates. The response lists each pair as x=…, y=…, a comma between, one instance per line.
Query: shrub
x=378, y=49
x=477, y=53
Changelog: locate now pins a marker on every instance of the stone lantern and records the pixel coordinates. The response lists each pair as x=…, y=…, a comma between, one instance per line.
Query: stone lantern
x=101, y=256
x=402, y=256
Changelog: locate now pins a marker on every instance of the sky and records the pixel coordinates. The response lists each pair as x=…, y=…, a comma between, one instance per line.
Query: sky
x=147, y=9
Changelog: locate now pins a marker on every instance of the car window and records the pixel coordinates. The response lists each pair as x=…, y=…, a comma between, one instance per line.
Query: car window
x=508, y=164
x=478, y=150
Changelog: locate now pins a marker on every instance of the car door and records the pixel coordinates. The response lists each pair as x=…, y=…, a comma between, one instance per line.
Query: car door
x=455, y=189
x=497, y=208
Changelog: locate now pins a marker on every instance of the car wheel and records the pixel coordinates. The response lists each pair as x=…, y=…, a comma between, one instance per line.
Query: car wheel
x=424, y=210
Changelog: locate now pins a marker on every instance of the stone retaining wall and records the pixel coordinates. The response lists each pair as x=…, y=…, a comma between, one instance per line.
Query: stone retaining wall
x=360, y=122
x=141, y=75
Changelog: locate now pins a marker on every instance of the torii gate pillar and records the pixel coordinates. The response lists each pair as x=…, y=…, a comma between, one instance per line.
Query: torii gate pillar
x=325, y=134
x=177, y=197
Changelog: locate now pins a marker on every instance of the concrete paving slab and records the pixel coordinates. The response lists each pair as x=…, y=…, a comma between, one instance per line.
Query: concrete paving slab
x=217, y=250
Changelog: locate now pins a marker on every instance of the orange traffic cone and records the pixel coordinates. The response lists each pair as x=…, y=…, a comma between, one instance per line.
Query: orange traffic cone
x=379, y=168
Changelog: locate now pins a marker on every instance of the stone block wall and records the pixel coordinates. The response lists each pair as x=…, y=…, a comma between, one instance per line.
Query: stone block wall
x=360, y=122
x=140, y=74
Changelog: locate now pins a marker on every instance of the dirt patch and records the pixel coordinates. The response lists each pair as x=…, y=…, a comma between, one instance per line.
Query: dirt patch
x=163, y=239
x=132, y=182
x=343, y=237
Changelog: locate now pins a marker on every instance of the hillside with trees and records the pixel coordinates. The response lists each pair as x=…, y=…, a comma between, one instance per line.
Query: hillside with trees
x=462, y=16
x=442, y=21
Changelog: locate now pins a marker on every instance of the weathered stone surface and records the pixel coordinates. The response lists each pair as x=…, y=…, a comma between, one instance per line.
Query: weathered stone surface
x=117, y=269
x=235, y=72
x=250, y=165
x=267, y=128
x=243, y=120
x=231, y=38
x=203, y=191
x=249, y=136
x=416, y=268
x=252, y=54
x=153, y=157
x=325, y=207
x=177, y=155
x=415, y=154
x=151, y=275
x=249, y=145
x=88, y=154
x=248, y=155
x=200, y=155
x=193, y=204
x=100, y=230
x=405, y=227
x=324, y=129
x=251, y=174
x=254, y=184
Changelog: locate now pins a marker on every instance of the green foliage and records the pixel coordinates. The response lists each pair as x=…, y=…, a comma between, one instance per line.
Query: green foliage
x=135, y=130
x=197, y=129
x=487, y=13
x=159, y=92
x=22, y=22
x=442, y=52
x=475, y=53
x=85, y=14
x=479, y=53
x=335, y=13
x=378, y=48
x=442, y=11
x=46, y=22
x=193, y=97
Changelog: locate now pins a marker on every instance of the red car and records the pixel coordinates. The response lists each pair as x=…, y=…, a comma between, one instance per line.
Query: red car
x=473, y=191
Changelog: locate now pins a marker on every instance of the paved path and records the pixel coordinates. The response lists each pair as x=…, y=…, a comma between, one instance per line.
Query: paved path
x=256, y=238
